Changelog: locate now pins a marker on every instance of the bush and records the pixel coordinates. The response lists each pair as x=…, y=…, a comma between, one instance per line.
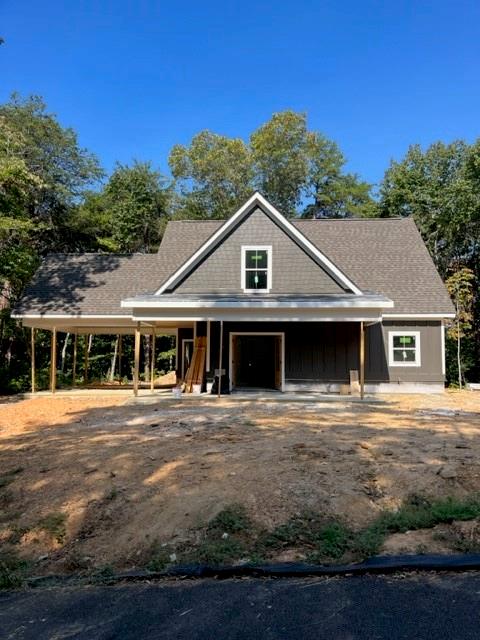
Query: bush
x=12, y=570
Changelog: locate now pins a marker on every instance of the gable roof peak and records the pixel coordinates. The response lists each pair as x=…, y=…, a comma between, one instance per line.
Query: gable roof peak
x=292, y=231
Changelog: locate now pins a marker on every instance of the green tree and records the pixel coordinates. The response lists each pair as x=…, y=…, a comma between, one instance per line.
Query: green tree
x=91, y=225
x=335, y=194
x=136, y=202
x=62, y=170
x=437, y=188
x=213, y=174
x=280, y=160
x=43, y=173
x=440, y=188
x=460, y=286
x=287, y=163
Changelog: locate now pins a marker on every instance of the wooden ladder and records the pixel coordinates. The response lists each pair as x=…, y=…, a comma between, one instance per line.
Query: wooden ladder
x=196, y=370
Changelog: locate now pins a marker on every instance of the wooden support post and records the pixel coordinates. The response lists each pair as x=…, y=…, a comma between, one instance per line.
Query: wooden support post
x=220, y=354
x=53, y=361
x=74, y=364
x=207, y=361
x=32, y=346
x=136, y=362
x=120, y=353
x=85, y=363
x=362, y=360
x=152, y=362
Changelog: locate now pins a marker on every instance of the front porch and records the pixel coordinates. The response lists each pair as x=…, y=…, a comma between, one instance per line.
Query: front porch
x=245, y=358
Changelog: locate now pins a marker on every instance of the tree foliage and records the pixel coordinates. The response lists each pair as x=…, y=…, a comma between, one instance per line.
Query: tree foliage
x=43, y=172
x=136, y=200
x=280, y=159
x=286, y=162
x=214, y=175
x=440, y=188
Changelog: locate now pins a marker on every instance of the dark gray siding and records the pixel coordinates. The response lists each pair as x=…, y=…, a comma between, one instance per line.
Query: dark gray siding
x=293, y=270
x=325, y=352
x=430, y=370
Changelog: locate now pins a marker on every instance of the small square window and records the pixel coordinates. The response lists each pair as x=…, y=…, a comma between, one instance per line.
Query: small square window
x=256, y=268
x=404, y=348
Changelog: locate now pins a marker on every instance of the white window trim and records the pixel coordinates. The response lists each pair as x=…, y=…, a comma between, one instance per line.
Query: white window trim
x=257, y=247
x=418, y=358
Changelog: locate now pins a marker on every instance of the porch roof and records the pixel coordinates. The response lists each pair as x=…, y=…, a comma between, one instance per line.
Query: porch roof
x=262, y=301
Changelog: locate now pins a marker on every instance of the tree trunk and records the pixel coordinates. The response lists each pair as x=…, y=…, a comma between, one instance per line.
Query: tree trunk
x=459, y=361
x=459, y=352
x=114, y=361
x=146, y=357
x=64, y=353
x=8, y=353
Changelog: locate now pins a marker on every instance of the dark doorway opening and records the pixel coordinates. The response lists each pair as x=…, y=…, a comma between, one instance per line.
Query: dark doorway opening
x=257, y=361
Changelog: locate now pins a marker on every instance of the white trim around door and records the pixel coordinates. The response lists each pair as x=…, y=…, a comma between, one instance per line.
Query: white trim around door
x=257, y=333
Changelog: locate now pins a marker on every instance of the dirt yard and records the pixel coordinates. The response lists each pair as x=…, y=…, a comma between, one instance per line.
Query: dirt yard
x=125, y=475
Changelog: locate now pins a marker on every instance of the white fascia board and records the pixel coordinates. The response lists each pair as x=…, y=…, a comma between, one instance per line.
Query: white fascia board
x=244, y=317
x=417, y=316
x=257, y=197
x=163, y=303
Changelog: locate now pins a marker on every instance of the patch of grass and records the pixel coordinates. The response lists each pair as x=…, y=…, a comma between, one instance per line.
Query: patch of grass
x=228, y=537
x=9, y=476
x=232, y=519
x=218, y=552
x=334, y=542
x=415, y=513
x=103, y=575
x=54, y=524
x=159, y=557
x=324, y=538
x=12, y=570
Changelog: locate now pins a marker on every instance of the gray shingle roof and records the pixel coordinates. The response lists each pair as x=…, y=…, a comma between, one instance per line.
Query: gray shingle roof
x=88, y=283
x=385, y=256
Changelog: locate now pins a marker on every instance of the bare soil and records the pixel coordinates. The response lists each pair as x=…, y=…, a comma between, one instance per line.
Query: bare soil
x=126, y=475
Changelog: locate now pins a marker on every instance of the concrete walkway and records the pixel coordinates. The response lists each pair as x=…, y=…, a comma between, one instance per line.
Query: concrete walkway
x=146, y=395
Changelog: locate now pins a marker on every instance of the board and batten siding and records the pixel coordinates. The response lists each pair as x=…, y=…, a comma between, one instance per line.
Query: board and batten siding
x=322, y=352
x=325, y=352
x=292, y=269
x=430, y=371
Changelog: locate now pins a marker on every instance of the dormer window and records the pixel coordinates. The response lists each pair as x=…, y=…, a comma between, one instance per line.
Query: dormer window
x=257, y=268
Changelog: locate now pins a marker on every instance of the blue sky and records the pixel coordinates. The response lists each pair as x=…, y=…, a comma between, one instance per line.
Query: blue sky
x=135, y=77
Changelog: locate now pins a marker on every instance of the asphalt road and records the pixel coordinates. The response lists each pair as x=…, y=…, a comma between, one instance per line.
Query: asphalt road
x=415, y=606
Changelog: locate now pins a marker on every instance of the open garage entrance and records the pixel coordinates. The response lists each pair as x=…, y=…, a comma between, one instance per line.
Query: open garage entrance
x=256, y=360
